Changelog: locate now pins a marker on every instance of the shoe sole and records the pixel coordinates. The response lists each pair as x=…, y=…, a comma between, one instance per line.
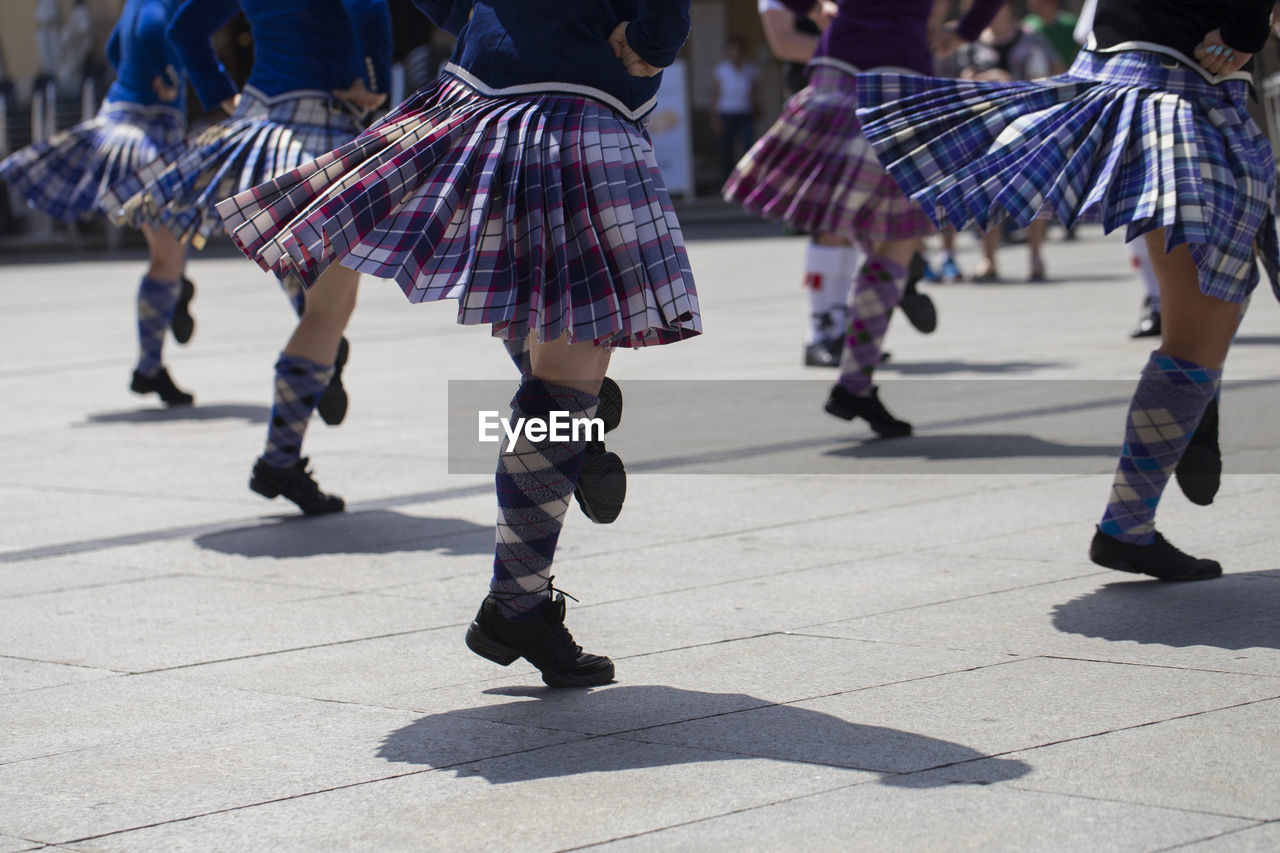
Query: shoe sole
x=921, y=313
x=596, y=505
x=490, y=649
x=183, y=324
x=1199, y=474
x=1122, y=566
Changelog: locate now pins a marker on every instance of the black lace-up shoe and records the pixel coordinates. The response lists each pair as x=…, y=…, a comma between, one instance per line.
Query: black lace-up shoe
x=1159, y=559
x=1199, y=471
x=543, y=641
x=183, y=324
x=602, y=485
x=296, y=484
x=824, y=353
x=161, y=384
x=916, y=306
x=848, y=406
x=333, y=403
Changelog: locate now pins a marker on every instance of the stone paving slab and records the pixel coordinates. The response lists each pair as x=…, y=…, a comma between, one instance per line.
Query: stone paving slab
x=871, y=817
x=1258, y=839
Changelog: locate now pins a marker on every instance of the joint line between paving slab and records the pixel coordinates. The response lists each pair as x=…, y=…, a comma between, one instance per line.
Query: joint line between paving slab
x=1161, y=666
x=1215, y=837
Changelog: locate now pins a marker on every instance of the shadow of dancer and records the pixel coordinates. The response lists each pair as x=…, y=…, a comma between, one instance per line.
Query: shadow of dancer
x=1237, y=611
x=367, y=532
x=638, y=726
x=249, y=413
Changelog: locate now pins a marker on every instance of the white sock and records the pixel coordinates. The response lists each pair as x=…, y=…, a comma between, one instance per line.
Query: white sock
x=1141, y=260
x=825, y=275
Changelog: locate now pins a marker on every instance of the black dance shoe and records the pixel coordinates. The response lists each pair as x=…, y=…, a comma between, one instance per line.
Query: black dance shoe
x=183, y=324
x=916, y=306
x=602, y=484
x=543, y=641
x=161, y=384
x=1148, y=322
x=1159, y=559
x=848, y=406
x=297, y=485
x=1199, y=471
x=333, y=403
x=824, y=353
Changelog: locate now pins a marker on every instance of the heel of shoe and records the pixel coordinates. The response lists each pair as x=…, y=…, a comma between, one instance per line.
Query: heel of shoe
x=267, y=490
x=488, y=648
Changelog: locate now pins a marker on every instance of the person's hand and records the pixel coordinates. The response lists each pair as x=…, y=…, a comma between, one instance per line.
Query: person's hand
x=164, y=90
x=1218, y=59
x=823, y=14
x=230, y=104
x=946, y=40
x=359, y=96
x=635, y=66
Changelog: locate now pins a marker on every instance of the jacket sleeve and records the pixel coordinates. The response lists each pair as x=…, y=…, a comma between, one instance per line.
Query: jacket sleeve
x=1248, y=25
x=449, y=15
x=659, y=31
x=372, y=21
x=113, y=47
x=800, y=7
x=190, y=33
x=977, y=18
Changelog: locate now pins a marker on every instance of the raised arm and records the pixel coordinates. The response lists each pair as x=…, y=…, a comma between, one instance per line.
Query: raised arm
x=786, y=42
x=190, y=33
x=659, y=31
x=373, y=30
x=449, y=15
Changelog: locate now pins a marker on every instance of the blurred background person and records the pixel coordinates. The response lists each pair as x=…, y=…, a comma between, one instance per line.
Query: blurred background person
x=734, y=95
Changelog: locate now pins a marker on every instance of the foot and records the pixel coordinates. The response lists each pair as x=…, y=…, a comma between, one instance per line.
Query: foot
x=1199, y=471
x=183, y=324
x=918, y=309
x=297, y=485
x=824, y=353
x=951, y=273
x=333, y=403
x=1148, y=323
x=602, y=485
x=1159, y=559
x=1036, y=272
x=543, y=641
x=985, y=273
x=848, y=406
x=160, y=383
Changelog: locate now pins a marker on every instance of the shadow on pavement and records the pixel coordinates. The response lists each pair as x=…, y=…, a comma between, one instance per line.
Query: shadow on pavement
x=368, y=532
x=970, y=446
x=1232, y=612
x=928, y=368
x=703, y=727
x=251, y=413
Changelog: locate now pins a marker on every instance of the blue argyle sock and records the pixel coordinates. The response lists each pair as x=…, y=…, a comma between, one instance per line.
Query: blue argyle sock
x=299, y=384
x=295, y=292
x=519, y=353
x=535, y=481
x=1167, y=406
x=156, y=302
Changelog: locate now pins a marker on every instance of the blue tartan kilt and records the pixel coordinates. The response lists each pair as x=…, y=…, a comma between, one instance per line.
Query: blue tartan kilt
x=69, y=175
x=1133, y=139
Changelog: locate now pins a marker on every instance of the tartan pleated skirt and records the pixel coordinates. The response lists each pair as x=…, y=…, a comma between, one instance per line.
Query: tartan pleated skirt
x=1133, y=139
x=542, y=214
x=265, y=137
x=68, y=175
x=814, y=170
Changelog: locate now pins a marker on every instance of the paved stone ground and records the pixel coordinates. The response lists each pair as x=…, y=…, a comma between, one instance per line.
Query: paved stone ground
x=823, y=642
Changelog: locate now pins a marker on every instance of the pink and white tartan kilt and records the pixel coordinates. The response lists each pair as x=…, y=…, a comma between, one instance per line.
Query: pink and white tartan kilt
x=814, y=170
x=540, y=214
x=265, y=137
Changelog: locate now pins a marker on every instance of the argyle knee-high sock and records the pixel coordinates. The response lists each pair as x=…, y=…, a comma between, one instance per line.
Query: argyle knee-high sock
x=1167, y=405
x=296, y=293
x=519, y=352
x=299, y=384
x=877, y=289
x=535, y=481
x=156, y=302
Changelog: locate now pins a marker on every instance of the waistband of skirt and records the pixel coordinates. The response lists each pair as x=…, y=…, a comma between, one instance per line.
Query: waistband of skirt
x=1156, y=70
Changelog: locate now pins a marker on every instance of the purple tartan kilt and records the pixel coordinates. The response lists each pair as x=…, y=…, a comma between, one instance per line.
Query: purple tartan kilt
x=814, y=170
x=1132, y=139
x=264, y=138
x=68, y=175
x=539, y=214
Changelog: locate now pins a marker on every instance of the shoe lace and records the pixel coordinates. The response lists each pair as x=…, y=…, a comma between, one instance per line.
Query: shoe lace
x=559, y=632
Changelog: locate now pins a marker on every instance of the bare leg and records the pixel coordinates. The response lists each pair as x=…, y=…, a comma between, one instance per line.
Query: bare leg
x=329, y=306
